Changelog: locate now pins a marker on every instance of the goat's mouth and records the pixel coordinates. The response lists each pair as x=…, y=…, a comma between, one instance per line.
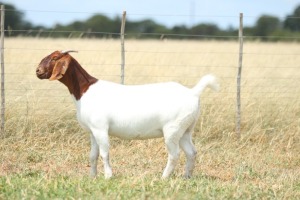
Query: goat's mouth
x=42, y=75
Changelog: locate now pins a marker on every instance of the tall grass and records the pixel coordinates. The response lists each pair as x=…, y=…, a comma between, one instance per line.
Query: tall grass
x=44, y=152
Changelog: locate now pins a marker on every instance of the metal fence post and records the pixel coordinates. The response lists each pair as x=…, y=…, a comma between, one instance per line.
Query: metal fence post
x=123, y=47
x=2, y=69
x=239, y=76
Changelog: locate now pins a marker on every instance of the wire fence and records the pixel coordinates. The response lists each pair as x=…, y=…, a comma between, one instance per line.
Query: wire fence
x=137, y=35
x=269, y=77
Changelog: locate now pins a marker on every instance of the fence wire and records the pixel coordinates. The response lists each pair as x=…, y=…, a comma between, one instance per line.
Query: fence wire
x=263, y=84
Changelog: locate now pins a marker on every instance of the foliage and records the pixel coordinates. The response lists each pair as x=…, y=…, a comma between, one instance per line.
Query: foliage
x=266, y=25
x=14, y=19
x=204, y=29
x=292, y=22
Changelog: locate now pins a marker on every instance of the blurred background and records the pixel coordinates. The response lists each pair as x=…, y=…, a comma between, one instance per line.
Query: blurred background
x=279, y=18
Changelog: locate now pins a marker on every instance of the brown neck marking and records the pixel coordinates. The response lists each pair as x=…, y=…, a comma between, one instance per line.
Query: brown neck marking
x=77, y=79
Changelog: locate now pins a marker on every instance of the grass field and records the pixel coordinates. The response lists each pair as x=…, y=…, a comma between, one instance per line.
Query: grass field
x=44, y=152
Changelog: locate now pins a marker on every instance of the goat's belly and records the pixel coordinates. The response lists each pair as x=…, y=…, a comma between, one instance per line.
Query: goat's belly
x=135, y=133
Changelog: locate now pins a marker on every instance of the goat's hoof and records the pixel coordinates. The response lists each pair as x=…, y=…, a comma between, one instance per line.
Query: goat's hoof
x=187, y=176
x=164, y=177
x=108, y=176
x=93, y=176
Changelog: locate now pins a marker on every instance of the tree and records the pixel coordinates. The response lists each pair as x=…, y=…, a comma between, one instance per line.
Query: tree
x=205, y=29
x=14, y=20
x=292, y=22
x=180, y=29
x=100, y=22
x=266, y=25
x=145, y=26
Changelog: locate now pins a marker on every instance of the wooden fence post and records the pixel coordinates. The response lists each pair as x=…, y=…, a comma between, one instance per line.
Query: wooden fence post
x=123, y=47
x=2, y=69
x=239, y=76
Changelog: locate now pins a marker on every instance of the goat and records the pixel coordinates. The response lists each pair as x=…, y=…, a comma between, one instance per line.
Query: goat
x=104, y=108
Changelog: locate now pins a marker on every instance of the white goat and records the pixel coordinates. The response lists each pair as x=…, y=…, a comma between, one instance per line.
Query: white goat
x=167, y=110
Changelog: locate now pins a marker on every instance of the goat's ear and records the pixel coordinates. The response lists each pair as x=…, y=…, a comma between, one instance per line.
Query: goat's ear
x=60, y=68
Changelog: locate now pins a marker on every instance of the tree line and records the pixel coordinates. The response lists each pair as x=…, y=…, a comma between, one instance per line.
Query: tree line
x=266, y=28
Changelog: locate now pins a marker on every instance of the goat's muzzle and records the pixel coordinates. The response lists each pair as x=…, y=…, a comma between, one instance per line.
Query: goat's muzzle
x=40, y=73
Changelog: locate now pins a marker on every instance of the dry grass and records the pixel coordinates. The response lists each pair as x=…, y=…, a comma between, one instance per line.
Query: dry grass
x=44, y=151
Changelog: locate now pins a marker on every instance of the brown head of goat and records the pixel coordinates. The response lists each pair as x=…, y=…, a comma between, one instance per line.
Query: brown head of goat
x=61, y=66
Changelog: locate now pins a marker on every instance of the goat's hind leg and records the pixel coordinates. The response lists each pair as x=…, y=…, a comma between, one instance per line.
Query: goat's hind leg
x=173, y=150
x=190, y=151
x=172, y=135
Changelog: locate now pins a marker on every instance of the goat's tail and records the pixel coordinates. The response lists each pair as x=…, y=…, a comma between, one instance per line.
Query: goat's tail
x=207, y=80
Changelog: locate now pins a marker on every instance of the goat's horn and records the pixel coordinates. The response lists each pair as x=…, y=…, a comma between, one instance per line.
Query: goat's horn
x=68, y=51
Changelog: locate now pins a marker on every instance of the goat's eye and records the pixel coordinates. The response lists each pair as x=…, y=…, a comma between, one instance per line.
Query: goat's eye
x=54, y=58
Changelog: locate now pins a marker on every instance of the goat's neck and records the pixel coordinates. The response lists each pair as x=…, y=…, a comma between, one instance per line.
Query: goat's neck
x=77, y=79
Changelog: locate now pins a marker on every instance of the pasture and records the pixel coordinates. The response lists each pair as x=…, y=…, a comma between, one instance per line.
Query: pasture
x=44, y=153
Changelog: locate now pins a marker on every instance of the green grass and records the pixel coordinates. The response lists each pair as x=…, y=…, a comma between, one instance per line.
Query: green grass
x=37, y=185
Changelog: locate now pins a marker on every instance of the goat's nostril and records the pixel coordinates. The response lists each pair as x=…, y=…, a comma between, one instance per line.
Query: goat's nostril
x=39, y=72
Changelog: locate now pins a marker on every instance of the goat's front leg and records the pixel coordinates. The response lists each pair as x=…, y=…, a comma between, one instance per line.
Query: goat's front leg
x=102, y=140
x=94, y=154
